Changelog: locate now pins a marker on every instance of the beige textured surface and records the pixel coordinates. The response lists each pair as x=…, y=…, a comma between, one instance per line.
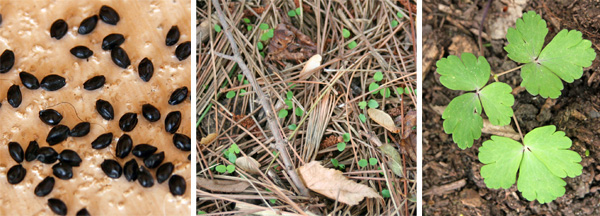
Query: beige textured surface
x=25, y=30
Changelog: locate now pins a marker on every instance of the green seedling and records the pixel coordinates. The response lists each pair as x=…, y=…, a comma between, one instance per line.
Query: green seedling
x=352, y=44
x=345, y=33
x=378, y=76
x=230, y=94
x=362, y=163
x=362, y=104
x=246, y=20
x=335, y=162
x=346, y=137
x=292, y=127
x=341, y=146
x=373, y=104
x=260, y=45
x=217, y=28
x=299, y=112
x=385, y=193
x=373, y=161
x=263, y=26
x=400, y=91
x=283, y=113
x=362, y=117
x=221, y=168
x=395, y=23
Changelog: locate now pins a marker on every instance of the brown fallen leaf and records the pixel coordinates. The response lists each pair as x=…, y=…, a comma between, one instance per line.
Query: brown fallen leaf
x=332, y=184
x=227, y=186
x=208, y=139
x=383, y=119
x=311, y=64
x=395, y=163
x=248, y=164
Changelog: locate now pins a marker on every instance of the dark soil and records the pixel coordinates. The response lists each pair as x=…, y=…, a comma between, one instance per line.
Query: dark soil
x=576, y=112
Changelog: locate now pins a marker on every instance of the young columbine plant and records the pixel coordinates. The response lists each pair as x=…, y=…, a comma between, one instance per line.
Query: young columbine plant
x=543, y=157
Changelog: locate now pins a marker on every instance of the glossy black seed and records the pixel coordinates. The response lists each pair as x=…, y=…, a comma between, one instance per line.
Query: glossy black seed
x=29, y=80
x=16, y=151
x=16, y=174
x=109, y=15
x=177, y=185
x=146, y=69
x=58, y=29
x=7, y=60
x=112, y=168
x=154, y=160
x=0, y=19
x=120, y=57
x=62, y=171
x=182, y=142
x=57, y=134
x=80, y=129
x=172, y=36
x=102, y=141
x=128, y=122
x=178, y=95
x=94, y=83
x=53, y=82
x=150, y=113
x=112, y=40
x=88, y=25
x=14, y=96
x=124, y=146
x=130, y=170
x=143, y=150
x=57, y=206
x=164, y=171
x=81, y=52
x=44, y=187
x=190, y=157
x=172, y=121
x=82, y=212
x=105, y=109
x=145, y=178
x=183, y=50
x=50, y=116
x=31, y=152
x=47, y=155
x=69, y=157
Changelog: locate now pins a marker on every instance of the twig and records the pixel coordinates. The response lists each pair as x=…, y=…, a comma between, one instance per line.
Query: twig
x=485, y=12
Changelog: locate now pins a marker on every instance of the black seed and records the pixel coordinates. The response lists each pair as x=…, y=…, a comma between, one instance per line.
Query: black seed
x=109, y=15
x=111, y=168
x=123, y=146
x=183, y=50
x=69, y=157
x=0, y=19
x=50, y=116
x=31, y=152
x=178, y=95
x=190, y=157
x=53, y=82
x=57, y=134
x=120, y=57
x=105, y=109
x=80, y=129
x=94, y=83
x=47, y=155
x=143, y=150
x=88, y=25
x=29, y=80
x=130, y=170
x=81, y=52
x=102, y=141
x=44, y=187
x=112, y=40
x=16, y=151
x=182, y=142
x=172, y=121
x=146, y=69
x=7, y=60
x=177, y=185
x=172, y=36
x=83, y=212
x=145, y=178
x=58, y=29
x=154, y=160
x=57, y=206
x=128, y=122
x=14, y=96
x=16, y=174
x=150, y=113
x=62, y=171
x=164, y=172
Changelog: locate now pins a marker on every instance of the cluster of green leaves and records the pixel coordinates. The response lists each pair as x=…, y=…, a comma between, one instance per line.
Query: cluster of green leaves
x=231, y=94
x=295, y=12
x=283, y=113
x=346, y=34
x=362, y=163
x=337, y=164
x=373, y=86
x=395, y=22
x=231, y=155
x=342, y=145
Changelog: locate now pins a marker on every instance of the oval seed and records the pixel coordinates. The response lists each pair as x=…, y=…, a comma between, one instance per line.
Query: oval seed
x=102, y=141
x=143, y=150
x=16, y=151
x=150, y=113
x=120, y=57
x=47, y=155
x=57, y=206
x=50, y=116
x=105, y=109
x=62, y=171
x=14, y=96
x=182, y=142
x=69, y=157
x=88, y=25
x=183, y=50
x=81, y=52
x=80, y=129
x=128, y=121
x=58, y=29
x=111, y=168
x=53, y=82
x=172, y=36
x=16, y=174
x=82, y=212
x=57, y=134
x=164, y=172
x=146, y=69
x=178, y=95
x=112, y=40
x=130, y=170
x=31, y=152
x=44, y=187
x=177, y=185
x=145, y=178
x=109, y=15
x=172, y=121
x=94, y=83
x=29, y=80
x=123, y=146
x=7, y=60
x=154, y=160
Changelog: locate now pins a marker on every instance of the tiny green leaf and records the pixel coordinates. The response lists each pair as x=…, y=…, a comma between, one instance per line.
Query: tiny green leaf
x=373, y=104
x=261, y=54
x=373, y=161
x=246, y=20
x=378, y=76
x=273, y=201
x=264, y=26
x=407, y=90
x=497, y=100
x=467, y=73
x=292, y=13
x=342, y=166
x=334, y=162
x=232, y=157
x=346, y=137
x=362, y=117
x=385, y=193
x=373, y=88
x=260, y=45
x=283, y=113
x=345, y=33
x=264, y=37
x=234, y=148
x=249, y=28
x=270, y=33
x=292, y=127
x=400, y=15
x=289, y=95
x=362, y=104
x=230, y=94
x=240, y=77
x=217, y=28
x=298, y=11
x=399, y=90
x=242, y=92
x=246, y=81
x=341, y=146
x=289, y=103
x=363, y=163
x=221, y=168
x=462, y=119
x=230, y=168
x=299, y=112
x=385, y=92
x=587, y=153
x=352, y=44
x=395, y=23
x=201, y=212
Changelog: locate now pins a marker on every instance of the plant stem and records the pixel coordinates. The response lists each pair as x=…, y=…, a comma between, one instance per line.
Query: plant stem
x=508, y=71
x=518, y=128
x=485, y=12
